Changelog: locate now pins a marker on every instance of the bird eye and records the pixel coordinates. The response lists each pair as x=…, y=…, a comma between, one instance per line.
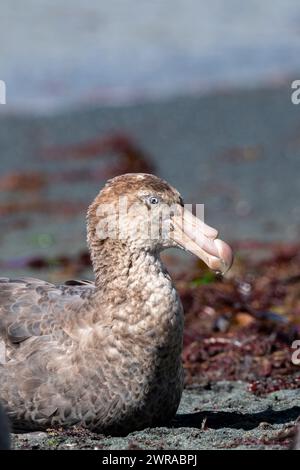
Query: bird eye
x=153, y=200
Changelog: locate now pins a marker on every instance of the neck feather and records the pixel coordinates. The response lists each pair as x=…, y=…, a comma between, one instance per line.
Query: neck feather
x=138, y=282
x=119, y=268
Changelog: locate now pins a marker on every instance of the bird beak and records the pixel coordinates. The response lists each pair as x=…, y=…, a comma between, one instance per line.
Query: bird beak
x=193, y=235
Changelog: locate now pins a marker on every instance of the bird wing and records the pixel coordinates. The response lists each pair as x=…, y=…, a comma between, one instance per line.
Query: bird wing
x=33, y=308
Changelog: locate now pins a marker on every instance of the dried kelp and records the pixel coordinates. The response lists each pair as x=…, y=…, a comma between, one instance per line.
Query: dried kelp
x=243, y=328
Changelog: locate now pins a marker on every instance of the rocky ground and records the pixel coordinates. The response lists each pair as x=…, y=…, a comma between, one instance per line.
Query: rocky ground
x=226, y=416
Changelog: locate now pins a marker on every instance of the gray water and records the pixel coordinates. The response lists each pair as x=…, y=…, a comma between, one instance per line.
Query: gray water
x=55, y=54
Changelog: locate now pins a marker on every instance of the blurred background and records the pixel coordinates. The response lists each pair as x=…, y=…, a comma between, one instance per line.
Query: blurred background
x=197, y=92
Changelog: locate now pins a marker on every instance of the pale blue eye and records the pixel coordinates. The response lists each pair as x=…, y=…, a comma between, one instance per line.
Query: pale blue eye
x=153, y=200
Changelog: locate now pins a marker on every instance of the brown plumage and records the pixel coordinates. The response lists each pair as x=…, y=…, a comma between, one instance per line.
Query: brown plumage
x=105, y=355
